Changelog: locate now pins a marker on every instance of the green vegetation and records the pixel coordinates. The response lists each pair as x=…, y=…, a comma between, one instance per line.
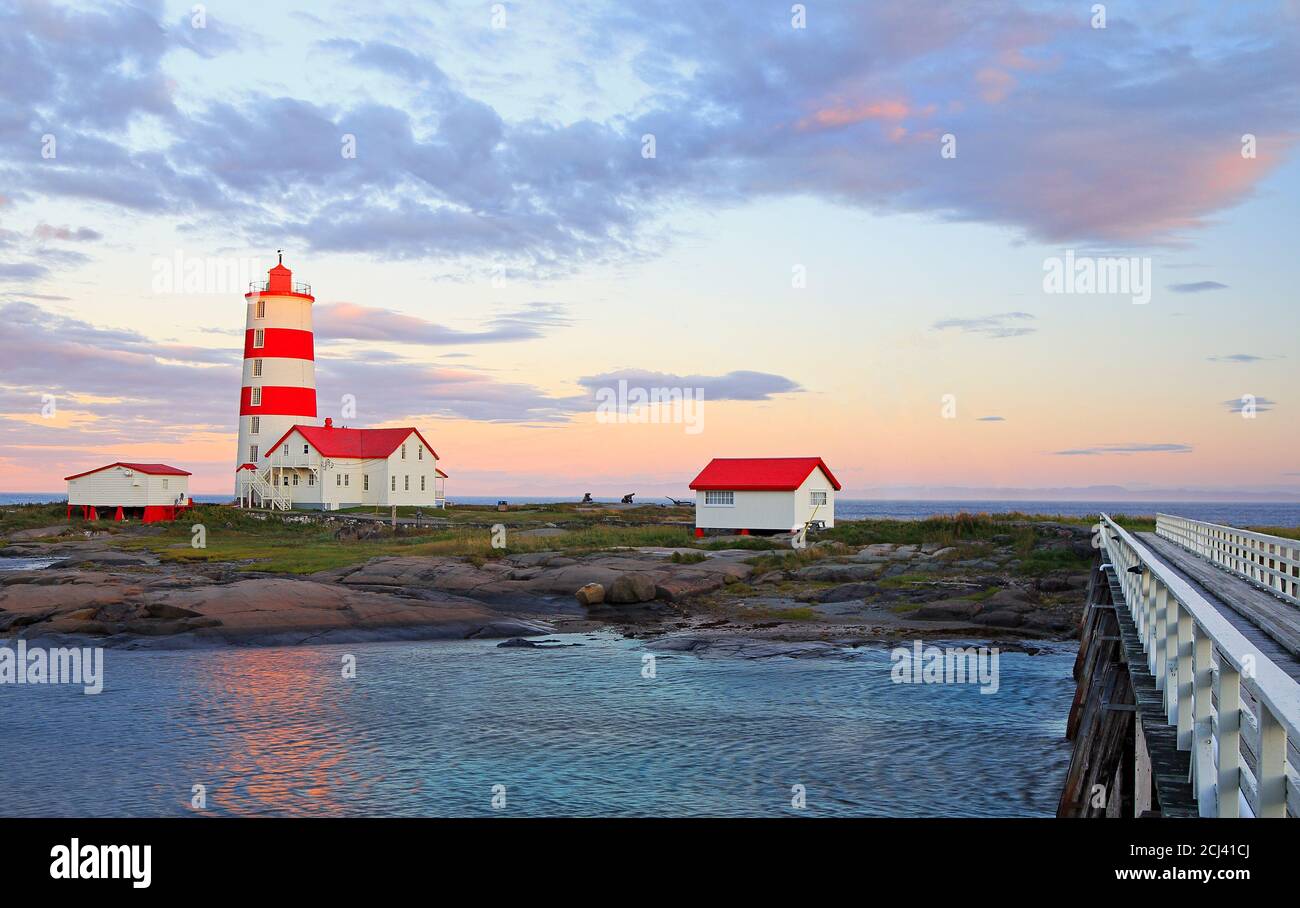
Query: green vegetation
x=257, y=541
x=1044, y=561
x=31, y=516
x=1285, y=532
x=946, y=530
x=688, y=557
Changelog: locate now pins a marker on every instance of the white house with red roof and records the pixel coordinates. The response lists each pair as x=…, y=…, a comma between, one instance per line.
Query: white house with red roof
x=764, y=493
x=333, y=467
x=149, y=491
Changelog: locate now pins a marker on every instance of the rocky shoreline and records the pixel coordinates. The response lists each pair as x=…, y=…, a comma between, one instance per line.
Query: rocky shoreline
x=682, y=599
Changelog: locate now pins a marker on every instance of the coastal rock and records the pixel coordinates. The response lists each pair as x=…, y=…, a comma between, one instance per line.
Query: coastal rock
x=839, y=572
x=1001, y=618
x=37, y=533
x=845, y=592
x=947, y=610
x=630, y=588
x=590, y=594
x=684, y=586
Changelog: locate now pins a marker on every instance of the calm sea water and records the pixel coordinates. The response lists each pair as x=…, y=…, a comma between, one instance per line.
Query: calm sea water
x=429, y=728
x=1232, y=513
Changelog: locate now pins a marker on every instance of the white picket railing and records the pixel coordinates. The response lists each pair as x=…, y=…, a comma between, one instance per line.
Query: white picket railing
x=1202, y=663
x=1272, y=562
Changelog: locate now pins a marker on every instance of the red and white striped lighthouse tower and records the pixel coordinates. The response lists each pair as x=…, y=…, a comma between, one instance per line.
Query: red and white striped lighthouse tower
x=279, y=387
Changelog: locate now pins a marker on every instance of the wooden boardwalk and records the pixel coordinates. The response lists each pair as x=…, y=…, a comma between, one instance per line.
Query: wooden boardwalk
x=1270, y=623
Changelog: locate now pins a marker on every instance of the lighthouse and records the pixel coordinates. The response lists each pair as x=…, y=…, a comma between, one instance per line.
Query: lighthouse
x=279, y=386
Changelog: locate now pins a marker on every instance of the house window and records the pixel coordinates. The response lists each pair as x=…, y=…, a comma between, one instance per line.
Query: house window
x=261, y=309
x=346, y=477
x=419, y=452
x=338, y=479
x=421, y=483
x=365, y=482
x=257, y=368
x=295, y=478
x=255, y=397
x=406, y=483
x=254, y=425
x=286, y=479
x=304, y=449
x=311, y=479
x=721, y=498
x=252, y=453
x=816, y=498
x=259, y=338
x=394, y=483
x=403, y=451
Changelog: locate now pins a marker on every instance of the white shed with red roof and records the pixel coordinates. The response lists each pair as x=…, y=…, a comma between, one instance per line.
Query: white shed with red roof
x=764, y=493
x=332, y=467
x=152, y=491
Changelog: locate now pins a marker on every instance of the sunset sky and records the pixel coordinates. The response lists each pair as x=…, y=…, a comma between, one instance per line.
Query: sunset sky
x=501, y=247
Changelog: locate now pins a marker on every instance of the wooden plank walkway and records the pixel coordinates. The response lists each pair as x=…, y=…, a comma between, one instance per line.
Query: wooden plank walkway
x=1272, y=624
x=1170, y=767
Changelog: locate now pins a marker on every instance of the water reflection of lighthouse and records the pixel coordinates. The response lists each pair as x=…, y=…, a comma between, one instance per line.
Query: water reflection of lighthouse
x=279, y=385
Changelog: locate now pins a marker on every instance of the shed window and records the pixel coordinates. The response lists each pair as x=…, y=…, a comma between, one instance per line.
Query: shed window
x=816, y=498
x=164, y=482
x=365, y=482
x=724, y=498
x=259, y=338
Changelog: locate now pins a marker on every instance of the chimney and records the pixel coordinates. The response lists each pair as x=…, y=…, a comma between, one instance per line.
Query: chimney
x=329, y=423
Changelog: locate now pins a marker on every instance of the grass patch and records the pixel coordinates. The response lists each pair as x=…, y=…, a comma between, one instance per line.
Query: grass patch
x=688, y=557
x=261, y=542
x=1284, y=532
x=788, y=560
x=754, y=543
x=1044, y=561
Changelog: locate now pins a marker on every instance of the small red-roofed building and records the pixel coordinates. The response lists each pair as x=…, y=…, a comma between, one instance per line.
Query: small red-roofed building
x=122, y=491
x=332, y=467
x=764, y=493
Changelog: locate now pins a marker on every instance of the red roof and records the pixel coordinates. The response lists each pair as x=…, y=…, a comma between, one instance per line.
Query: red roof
x=335, y=441
x=153, y=469
x=760, y=474
x=246, y=466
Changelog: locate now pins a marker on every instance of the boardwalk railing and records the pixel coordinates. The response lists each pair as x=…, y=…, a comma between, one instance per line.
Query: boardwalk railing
x=1268, y=561
x=1203, y=664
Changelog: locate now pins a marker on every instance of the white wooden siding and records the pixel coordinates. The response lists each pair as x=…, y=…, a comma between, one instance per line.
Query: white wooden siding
x=120, y=487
